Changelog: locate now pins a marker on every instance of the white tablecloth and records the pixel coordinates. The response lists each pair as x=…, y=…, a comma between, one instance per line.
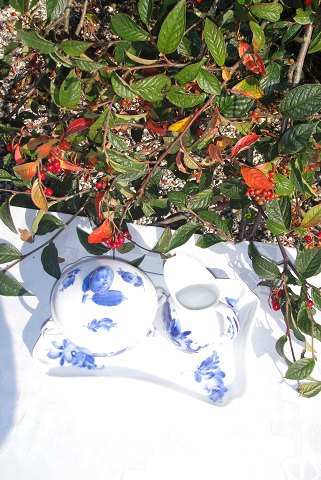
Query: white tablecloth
x=122, y=429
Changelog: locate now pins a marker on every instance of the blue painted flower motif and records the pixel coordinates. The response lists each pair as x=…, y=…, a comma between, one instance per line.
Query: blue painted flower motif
x=173, y=328
x=104, y=323
x=131, y=278
x=234, y=324
x=99, y=282
x=67, y=353
x=69, y=280
x=209, y=374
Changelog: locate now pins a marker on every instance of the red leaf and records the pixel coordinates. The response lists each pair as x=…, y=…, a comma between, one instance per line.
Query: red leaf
x=64, y=145
x=252, y=62
x=78, y=125
x=154, y=127
x=243, y=48
x=244, y=143
x=98, y=199
x=254, y=178
x=179, y=164
x=101, y=233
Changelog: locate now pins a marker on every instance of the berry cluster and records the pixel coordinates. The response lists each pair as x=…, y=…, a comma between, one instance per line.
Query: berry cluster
x=313, y=240
x=275, y=298
x=262, y=196
x=54, y=167
x=117, y=240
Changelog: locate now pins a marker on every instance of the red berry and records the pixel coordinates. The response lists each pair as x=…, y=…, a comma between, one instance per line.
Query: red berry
x=42, y=175
x=311, y=304
x=199, y=132
x=311, y=168
x=58, y=170
x=319, y=235
x=48, y=192
x=251, y=192
x=272, y=174
x=129, y=237
x=305, y=169
x=198, y=1
x=308, y=238
x=99, y=185
x=56, y=163
x=280, y=292
x=50, y=167
x=276, y=304
x=9, y=148
x=307, y=3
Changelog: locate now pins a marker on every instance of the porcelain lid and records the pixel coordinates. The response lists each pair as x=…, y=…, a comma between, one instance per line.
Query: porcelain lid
x=103, y=305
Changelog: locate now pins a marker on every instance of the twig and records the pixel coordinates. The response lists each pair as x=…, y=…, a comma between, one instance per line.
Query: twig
x=255, y=225
x=82, y=18
x=294, y=75
x=67, y=15
x=106, y=129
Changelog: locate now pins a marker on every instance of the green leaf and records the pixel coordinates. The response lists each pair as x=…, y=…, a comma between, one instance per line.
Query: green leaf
x=21, y=6
x=10, y=287
x=208, y=239
x=296, y=138
x=233, y=189
x=308, y=262
x=145, y=8
x=49, y=223
x=268, y=11
x=121, y=87
x=234, y=106
x=163, y=241
x=304, y=322
x=291, y=33
x=143, y=61
x=177, y=198
x=184, y=100
x=152, y=89
x=126, y=248
x=4, y=175
x=300, y=369
x=301, y=101
x=33, y=40
x=137, y=261
x=215, y=42
x=315, y=45
x=208, y=82
x=263, y=267
x=216, y=221
x=258, y=40
x=279, y=346
x=312, y=217
x=303, y=17
x=309, y=390
x=172, y=29
x=126, y=28
x=49, y=260
x=117, y=141
x=283, y=185
x=54, y=8
x=279, y=215
x=87, y=65
x=74, y=48
x=316, y=297
x=181, y=236
x=70, y=91
x=8, y=253
x=201, y=200
x=92, y=248
x=127, y=165
x=5, y=216
x=189, y=73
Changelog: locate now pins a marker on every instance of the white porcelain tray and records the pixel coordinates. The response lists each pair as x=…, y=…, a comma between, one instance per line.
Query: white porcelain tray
x=215, y=375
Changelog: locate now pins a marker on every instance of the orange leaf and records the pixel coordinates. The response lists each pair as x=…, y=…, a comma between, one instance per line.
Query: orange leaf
x=71, y=166
x=44, y=150
x=254, y=178
x=98, y=199
x=101, y=233
x=179, y=164
x=244, y=143
x=243, y=48
x=17, y=155
x=226, y=74
x=33, y=143
x=215, y=153
x=252, y=62
x=38, y=196
x=25, y=235
x=26, y=170
x=249, y=87
x=78, y=125
x=64, y=145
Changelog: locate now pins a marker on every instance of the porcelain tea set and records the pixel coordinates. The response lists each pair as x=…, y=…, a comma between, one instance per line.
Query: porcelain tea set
x=107, y=313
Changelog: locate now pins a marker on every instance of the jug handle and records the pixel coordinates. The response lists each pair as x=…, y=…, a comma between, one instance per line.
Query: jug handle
x=162, y=296
x=231, y=322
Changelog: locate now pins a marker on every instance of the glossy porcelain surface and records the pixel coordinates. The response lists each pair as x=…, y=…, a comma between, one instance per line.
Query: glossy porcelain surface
x=103, y=306
x=199, y=312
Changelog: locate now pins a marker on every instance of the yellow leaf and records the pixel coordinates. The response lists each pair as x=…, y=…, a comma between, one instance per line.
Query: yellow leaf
x=26, y=170
x=25, y=235
x=180, y=125
x=38, y=196
x=226, y=74
x=249, y=87
x=189, y=162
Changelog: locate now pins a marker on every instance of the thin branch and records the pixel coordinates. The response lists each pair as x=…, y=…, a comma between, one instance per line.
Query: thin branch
x=82, y=18
x=67, y=15
x=296, y=70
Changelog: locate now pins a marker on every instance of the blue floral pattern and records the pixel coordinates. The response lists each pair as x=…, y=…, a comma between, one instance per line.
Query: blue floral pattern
x=173, y=327
x=67, y=353
x=104, y=323
x=70, y=279
x=234, y=324
x=211, y=377
x=98, y=282
x=131, y=278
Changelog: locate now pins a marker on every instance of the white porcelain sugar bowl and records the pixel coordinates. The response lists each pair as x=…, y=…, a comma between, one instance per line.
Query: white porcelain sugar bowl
x=198, y=312
x=104, y=306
